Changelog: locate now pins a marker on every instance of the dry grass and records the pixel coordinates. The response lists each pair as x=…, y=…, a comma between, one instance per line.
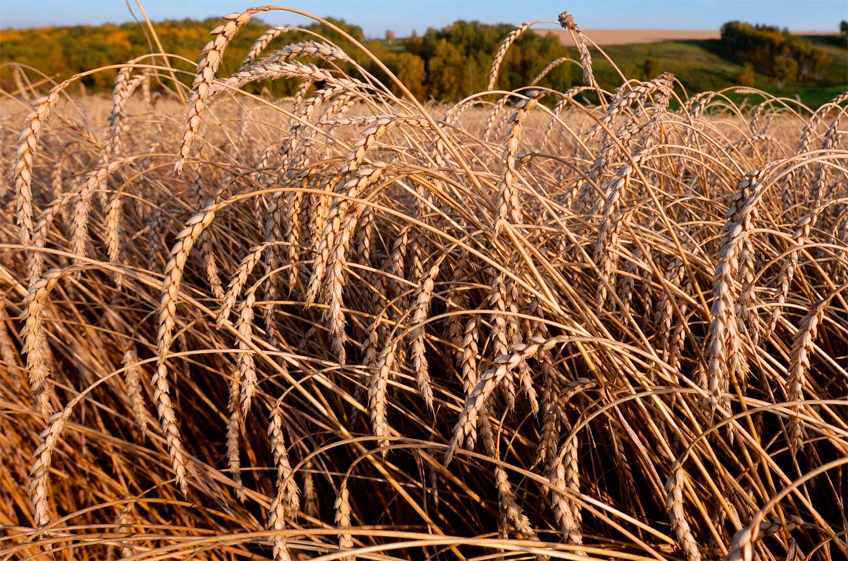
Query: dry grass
x=357, y=326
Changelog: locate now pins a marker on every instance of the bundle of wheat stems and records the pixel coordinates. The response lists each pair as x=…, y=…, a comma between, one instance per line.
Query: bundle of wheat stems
x=533, y=324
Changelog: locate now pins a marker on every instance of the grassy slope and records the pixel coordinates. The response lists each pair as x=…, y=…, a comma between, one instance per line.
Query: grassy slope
x=700, y=66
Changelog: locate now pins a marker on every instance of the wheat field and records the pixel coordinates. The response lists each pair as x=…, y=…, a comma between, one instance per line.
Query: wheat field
x=532, y=324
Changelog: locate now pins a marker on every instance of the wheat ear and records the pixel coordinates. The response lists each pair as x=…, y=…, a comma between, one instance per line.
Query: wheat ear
x=277, y=523
x=423, y=296
x=287, y=487
x=342, y=517
x=674, y=506
x=114, y=245
x=210, y=60
x=723, y=350
x=8, y=355
x=132, y=376
x=467, y=423
x=27, y=147
x=246, y=363
x=509, y=205
x=41, y=466
x=799, y=365
x=377, y=391
x=563, y=508
x=34, y=338
x=259, y=45
x=566, y=21
x=167, y=321
x=501, y=53
x=238, y=281
x=344, y=224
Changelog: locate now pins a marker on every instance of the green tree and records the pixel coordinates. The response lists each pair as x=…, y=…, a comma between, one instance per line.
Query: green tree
x=746, y=75
x=762, y=46
x=446, y=70
x=411, y=71
x=414, y=44
x=785, y=70
x=843, y=27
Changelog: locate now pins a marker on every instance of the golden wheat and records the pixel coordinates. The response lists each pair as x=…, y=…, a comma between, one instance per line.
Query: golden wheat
x=523, y=324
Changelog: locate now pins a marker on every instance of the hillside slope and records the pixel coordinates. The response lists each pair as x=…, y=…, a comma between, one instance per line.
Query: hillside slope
x=700, y=65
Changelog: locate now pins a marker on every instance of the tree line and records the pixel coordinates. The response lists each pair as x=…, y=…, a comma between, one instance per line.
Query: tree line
x=445, y=64
x=775, y=52
x=442, y=64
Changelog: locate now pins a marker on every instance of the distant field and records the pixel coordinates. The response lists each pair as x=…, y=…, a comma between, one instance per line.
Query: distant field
x=633, y=36
x=630, y=36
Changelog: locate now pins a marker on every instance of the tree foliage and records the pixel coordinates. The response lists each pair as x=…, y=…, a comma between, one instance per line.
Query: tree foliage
x=785, y=69
x=444, y=64
x=746, y=75
x=767, y=48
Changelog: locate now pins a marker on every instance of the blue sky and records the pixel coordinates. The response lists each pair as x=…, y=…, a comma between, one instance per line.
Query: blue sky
x=402, y=16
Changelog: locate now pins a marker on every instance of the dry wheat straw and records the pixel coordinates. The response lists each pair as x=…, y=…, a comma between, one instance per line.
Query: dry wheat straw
x=528, y=228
